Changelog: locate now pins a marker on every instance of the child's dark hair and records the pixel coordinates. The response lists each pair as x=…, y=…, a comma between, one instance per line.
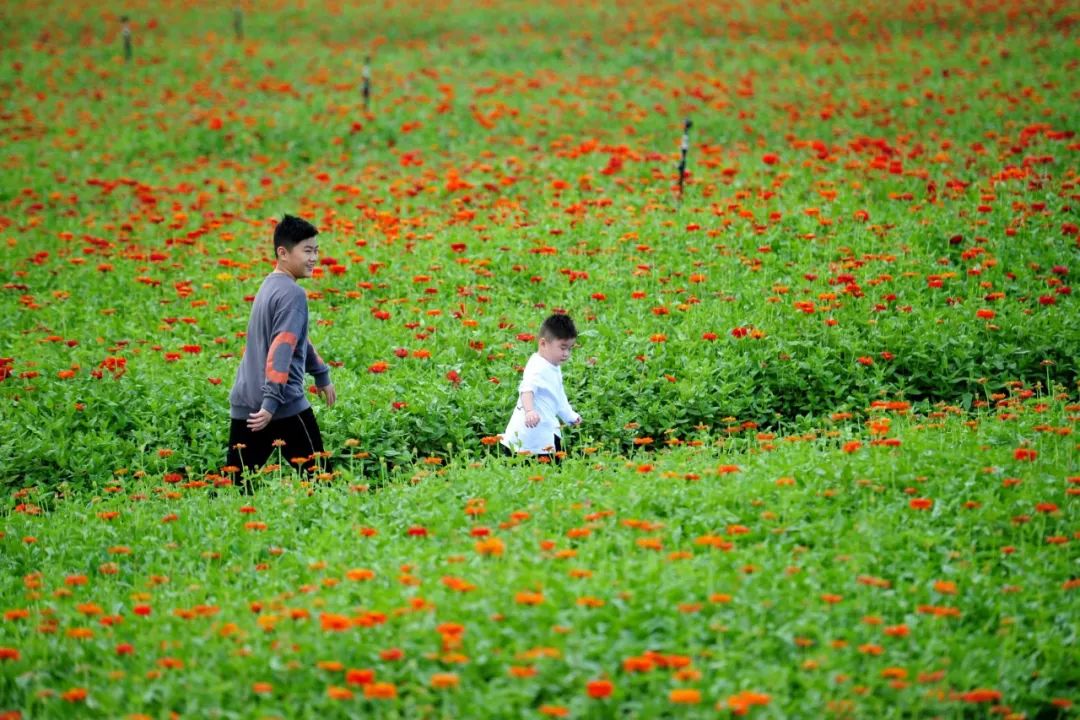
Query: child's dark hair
x=558, y=327
x=291, y=231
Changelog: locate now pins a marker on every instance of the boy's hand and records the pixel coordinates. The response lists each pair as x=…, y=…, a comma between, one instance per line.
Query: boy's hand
x=532, y=419
x=577, y=420
x=259, y=420
x=328, y=393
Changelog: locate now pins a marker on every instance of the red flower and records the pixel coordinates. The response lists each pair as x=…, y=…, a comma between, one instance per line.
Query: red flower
x=1024, y=454
x=981, y=695
x=359, y=677
x=599, y=689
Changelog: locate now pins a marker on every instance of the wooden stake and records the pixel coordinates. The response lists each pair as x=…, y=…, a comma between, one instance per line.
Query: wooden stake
x=126, y=33
x=684, y=148
x=366, y=90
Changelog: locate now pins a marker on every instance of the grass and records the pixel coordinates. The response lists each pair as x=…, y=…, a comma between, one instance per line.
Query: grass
x=797, y=567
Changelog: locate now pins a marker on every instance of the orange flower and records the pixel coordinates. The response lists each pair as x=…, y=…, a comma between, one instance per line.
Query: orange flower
x=339, y=693
x=741, y=703
x=360, y=574
x=528, y=598
x=380, y=691
x=335, y=623
x=685, y=696
x=74, y=695
x=554, y=710
x=921, y=503
x=441, y=681
x=642, y=663
x=650, y=543
x=490, y=546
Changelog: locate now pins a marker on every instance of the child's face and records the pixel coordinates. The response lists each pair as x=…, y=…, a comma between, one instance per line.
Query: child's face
x=556, y=351
x=299, y=262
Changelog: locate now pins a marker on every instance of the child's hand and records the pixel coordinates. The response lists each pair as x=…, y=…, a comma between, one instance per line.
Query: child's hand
x=532, y=419
x=577, y=420
x=257, y=421
x=328, y=393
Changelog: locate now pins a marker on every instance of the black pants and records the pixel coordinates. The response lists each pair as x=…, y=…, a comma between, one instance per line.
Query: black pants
x=301, y=437
x=554, y=455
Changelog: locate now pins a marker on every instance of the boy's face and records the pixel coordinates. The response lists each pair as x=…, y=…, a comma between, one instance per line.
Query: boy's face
x=299, y=262
x=556, y=351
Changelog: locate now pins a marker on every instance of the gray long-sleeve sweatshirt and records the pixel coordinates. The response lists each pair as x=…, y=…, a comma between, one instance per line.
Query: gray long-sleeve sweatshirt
x=277, y=354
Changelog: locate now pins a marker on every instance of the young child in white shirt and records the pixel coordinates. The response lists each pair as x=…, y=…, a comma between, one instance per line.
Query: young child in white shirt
x=534, y=427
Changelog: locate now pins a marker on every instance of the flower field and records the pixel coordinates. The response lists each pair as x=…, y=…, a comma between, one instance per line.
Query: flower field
x=828, y=378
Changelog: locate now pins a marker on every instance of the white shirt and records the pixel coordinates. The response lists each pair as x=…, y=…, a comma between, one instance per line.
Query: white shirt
x=544, y=381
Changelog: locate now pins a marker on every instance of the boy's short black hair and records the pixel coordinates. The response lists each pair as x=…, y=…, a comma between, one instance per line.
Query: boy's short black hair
x=558, y=327
x=292, y=230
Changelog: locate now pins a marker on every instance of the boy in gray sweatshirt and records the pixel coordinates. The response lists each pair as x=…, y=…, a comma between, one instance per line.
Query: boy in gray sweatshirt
x=268, y=405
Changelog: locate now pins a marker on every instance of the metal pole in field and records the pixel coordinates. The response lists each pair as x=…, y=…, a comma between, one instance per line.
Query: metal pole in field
x=683, y=149
x=238, y=23
x=366, y=91
x=126, y=33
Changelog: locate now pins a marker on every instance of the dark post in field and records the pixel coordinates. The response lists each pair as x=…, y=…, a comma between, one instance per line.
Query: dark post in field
x=683, y=149
x=366, y=90
x=126, y=33
x=238, y=23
